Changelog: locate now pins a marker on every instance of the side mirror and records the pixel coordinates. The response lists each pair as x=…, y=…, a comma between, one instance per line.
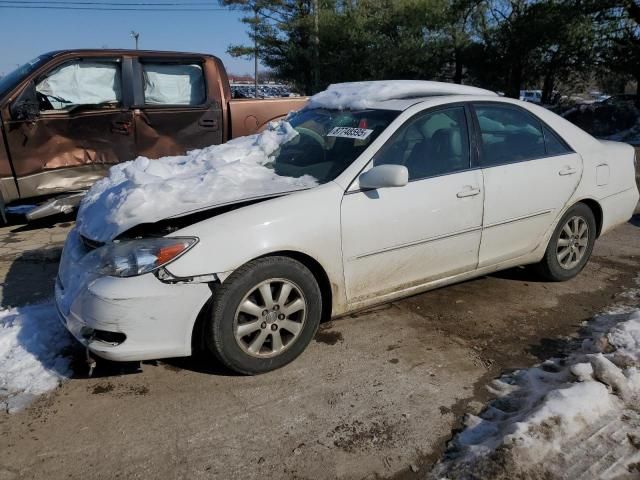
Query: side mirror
x=26, y=105
x=384, y=176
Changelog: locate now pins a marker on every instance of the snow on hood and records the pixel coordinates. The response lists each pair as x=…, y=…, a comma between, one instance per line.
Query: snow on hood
x=359, y=95
x=146, y=191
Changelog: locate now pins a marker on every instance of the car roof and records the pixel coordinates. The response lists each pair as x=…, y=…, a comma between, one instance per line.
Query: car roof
x=122, y=51
x=405, y=103
x=394, y=94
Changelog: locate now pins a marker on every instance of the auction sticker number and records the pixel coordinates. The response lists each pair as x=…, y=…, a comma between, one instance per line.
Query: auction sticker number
x=349, y=132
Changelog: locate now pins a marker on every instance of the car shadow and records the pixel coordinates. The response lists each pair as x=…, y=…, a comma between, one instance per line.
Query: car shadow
x=21, y=225
x=635, y=220
x=198, y=363
x=31, y=277
x=520, y=274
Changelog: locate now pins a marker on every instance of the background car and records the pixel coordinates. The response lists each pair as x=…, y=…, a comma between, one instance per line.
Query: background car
x=533, y=96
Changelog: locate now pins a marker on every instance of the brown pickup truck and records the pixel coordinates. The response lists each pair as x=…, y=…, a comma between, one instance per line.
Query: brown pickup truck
x=67, y=116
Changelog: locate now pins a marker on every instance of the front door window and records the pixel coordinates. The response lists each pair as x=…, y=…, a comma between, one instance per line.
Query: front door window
x=81, y=84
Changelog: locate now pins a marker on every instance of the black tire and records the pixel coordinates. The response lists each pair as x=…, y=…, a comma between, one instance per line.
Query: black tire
x=550, y=267
x=219, y=330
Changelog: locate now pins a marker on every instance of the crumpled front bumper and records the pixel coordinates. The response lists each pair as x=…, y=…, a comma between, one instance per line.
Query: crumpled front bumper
x=155, y=318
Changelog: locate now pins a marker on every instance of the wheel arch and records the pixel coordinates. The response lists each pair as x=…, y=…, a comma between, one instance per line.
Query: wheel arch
x=319, y=273
x=596, y=208
x=316, y=269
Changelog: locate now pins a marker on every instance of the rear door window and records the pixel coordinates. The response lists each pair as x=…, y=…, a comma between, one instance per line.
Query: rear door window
x=95, y=83
x=173, y=84
x=508, y=135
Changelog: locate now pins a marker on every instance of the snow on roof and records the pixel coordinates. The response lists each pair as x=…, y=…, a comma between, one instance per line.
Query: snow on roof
x=358, y=95
x=146, y=191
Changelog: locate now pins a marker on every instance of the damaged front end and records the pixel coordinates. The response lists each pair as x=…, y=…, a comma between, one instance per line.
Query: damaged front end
x=110, y=297
x=170, y=225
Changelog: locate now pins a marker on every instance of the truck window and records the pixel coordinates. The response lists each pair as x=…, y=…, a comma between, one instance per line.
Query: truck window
x=12, y=79
x=173, y=84
x=78, y=83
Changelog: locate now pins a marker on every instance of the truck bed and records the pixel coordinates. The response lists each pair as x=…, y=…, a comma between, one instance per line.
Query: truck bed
x=251, y=115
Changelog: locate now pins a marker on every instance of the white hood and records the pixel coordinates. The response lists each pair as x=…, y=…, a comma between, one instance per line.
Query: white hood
x=146, y=191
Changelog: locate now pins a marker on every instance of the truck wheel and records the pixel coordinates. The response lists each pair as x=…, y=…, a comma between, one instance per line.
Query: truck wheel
x=264, y=315
x=570, y=245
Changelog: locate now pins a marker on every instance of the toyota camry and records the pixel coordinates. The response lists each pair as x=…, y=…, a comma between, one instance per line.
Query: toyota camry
x=372, y=192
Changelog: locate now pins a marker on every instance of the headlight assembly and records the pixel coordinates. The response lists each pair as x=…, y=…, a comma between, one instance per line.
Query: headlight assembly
x=128, y=258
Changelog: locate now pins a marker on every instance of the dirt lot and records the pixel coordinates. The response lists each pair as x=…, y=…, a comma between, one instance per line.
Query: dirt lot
x=375, y=396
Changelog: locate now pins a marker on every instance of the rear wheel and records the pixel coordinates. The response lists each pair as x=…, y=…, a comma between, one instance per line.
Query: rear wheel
x=570, y=245
x=264, y=315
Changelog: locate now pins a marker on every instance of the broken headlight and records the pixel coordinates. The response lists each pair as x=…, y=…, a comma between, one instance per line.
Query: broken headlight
x=128, y=258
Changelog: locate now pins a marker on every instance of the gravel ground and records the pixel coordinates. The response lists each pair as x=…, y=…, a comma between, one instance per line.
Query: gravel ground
x=377, y=395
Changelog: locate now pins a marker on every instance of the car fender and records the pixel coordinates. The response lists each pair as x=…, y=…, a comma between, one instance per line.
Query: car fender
x=305, y=222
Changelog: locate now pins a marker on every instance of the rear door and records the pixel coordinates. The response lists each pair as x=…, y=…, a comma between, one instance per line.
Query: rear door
x=83, y=126
x=529, y=173
x=174, y=112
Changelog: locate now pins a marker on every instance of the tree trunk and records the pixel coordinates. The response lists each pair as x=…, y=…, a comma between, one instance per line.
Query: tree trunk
x=457, y=76
x=255, y=52
x=547, y=88
x=515, y=80
x=316, y=47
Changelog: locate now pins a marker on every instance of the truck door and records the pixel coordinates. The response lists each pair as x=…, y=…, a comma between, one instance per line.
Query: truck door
x=82, y=127
x=173, y=111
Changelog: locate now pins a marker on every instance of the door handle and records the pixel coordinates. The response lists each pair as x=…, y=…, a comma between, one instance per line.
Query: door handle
x=122, y=127
x=208, y=123
x=468, y=192
x=567, y=171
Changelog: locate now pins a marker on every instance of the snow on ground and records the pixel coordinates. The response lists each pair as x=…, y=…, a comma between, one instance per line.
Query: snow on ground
x=144, y=191
x=571, y=417
x=359, y=95
x=32, y=359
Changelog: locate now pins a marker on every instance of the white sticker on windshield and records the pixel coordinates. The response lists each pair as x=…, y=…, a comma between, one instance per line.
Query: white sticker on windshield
x=348, y=132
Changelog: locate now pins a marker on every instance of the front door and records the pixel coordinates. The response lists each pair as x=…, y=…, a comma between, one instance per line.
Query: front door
x=529, y=175
x=82, y=128
x=397, y=238
x=173, y=112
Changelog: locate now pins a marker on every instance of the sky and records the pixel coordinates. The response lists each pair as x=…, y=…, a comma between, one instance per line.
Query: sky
x=24, y=34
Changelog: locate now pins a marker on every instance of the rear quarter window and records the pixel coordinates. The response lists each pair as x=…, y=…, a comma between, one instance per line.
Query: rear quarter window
x=555, y=145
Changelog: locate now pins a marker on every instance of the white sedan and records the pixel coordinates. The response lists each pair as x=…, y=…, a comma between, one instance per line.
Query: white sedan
x=372, y=192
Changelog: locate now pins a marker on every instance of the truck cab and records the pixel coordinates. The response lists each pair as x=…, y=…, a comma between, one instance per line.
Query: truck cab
x=68, y=116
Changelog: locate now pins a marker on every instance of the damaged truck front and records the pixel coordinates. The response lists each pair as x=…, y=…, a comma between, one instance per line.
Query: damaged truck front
x=68, y=116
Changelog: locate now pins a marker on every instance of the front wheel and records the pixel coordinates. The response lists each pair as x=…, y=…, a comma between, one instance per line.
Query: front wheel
x=264, y=315
x=570, y=245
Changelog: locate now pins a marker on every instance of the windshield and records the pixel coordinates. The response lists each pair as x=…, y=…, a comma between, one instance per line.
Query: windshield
x=10, y=80
x=328, y=141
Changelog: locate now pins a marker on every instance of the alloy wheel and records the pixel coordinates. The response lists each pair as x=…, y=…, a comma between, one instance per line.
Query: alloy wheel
x=270, y=318
x=572, y=242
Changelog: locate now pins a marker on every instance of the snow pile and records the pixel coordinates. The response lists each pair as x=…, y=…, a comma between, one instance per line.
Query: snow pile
x=539, y=412
x=32, y=341
x=359, y=95
x=145, y=191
